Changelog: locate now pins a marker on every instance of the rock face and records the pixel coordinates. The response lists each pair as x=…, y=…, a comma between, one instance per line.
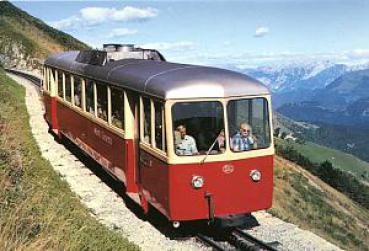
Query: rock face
x=25, y=41
x=13, y=55
x=111, y=210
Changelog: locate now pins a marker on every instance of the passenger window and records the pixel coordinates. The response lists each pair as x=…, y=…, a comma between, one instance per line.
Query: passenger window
x=159, y=126
x=68, y=88
x=102, y=101
x=90, y=100
x=53, y=78
x=60, y=84
x=198, y=128
x=78, y=92
x=117, y=108
x=147, y=120
x=46, y=78
x=248, y=121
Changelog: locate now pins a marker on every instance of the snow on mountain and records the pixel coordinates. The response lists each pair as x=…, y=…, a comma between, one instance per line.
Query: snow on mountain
x=299, y=75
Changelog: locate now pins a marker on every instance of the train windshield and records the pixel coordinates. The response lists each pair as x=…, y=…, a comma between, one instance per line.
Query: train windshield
x=248, y=122
x=198, y=128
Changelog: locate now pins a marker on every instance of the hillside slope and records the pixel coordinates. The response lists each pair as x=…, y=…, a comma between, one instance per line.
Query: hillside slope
x=37, y=209
x=343, y=161
x=24, y=38
x=303, y=199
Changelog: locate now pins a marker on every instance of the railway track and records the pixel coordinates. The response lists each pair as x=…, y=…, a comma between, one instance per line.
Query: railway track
x=236, y=239
x=35, y=80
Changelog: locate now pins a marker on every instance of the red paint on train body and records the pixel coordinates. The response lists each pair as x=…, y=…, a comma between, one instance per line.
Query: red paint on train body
x=110, y=150
x=232, y=193
x=169, y=189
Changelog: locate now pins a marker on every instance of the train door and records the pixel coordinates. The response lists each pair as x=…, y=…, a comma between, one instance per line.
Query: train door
x=153, y=172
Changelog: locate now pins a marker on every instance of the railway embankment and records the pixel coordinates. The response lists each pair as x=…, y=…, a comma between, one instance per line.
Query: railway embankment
x=37, y=209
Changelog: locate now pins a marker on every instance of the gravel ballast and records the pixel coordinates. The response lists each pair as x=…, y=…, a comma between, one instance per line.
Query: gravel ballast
x=111, y=210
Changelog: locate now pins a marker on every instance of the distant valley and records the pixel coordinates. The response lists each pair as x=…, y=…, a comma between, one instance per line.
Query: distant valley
x=334, y=98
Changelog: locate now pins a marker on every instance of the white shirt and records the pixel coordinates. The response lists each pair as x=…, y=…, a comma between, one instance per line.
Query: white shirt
x=187, y=146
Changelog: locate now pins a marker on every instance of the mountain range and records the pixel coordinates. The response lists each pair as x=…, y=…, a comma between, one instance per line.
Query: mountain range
x=326, y=103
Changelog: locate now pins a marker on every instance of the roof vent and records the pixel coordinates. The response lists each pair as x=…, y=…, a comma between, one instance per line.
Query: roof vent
x=113, y=52
x=129, y=51
x=93, y=57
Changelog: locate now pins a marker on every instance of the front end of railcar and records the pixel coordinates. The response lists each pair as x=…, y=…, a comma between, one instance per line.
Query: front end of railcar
x=221, y=163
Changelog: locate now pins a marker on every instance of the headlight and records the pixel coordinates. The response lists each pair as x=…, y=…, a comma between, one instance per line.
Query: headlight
x=197, y=182
x=255, y=175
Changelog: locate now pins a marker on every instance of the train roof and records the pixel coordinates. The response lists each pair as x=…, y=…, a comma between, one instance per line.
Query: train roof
x=163, y=79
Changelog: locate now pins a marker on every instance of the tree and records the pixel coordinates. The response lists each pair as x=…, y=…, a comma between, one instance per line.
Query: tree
x=276, y=132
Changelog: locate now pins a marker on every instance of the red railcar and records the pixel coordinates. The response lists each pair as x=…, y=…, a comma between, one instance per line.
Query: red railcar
x=194, y=142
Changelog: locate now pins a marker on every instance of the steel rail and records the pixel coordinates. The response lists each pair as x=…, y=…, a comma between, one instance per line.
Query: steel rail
x=35, y=80
x=210, y=242
x=259, y=243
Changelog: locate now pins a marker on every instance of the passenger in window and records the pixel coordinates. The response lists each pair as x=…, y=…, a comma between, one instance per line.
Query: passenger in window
x=184, y=144
x=101, y=113
x=116, y=119
x=77, y=96
x=220, y=144
x=243, y=140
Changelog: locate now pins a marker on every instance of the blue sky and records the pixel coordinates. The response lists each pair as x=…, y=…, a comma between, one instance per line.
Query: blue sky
x=220, y=32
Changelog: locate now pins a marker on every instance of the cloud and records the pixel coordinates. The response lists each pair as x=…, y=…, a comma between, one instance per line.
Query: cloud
x=91, y=16
x=121, y=32
x=261, y=31
x=70, y=22
x=358, y=53
x=182, y=45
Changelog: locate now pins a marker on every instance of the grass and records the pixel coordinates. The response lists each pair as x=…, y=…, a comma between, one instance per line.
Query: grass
x=306, y=201
x=37, y=209
x=344, y=161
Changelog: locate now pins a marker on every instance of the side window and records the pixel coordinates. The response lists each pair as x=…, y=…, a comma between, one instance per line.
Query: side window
x=146, y=120
x=53, y=79
x=117, y=108
x=159, y=126
x=68, y=88
x=45, y=78
x=60, y=84
x=90, y=100
x=77, y=91
x=48, y=79
x=248, y=119
x=102, y=101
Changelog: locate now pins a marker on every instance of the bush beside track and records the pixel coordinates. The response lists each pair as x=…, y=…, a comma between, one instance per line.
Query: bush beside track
x=37, y=209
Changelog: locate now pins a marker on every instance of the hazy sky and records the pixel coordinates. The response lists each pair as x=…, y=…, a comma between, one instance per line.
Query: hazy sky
x=218, y=32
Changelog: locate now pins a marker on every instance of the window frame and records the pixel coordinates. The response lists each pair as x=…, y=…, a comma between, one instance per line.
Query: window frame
x=96, y=99
x=224, y=123
x=65, y=89
x=110, y=120
x=59, y=75
x=81, y=93
x=152, y=145
x=267, y=108
x=142, y=119
x=229, y=155
x=163, y=131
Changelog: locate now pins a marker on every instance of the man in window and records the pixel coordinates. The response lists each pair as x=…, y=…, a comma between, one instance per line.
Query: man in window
x=185, y=144
x=243, y=140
